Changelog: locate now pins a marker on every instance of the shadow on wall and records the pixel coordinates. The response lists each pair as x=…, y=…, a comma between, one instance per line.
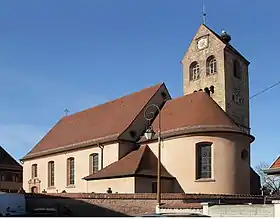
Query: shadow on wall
x=255, y=182
x=78, y=208
x=177, y=187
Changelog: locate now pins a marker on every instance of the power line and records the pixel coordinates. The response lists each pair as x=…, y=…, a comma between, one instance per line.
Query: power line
x=257, y=94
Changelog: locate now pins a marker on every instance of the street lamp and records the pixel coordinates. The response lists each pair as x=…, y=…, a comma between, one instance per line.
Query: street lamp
x=149, y=134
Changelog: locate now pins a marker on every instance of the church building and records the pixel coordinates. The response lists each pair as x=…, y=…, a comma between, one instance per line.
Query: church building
x=204, y=134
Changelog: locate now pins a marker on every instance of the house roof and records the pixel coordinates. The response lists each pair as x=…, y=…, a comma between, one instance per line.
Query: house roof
x=7, y=161
x=96, y=122
x=193, y=112
x=274, y=168
x=276, y=163
x=141, y=162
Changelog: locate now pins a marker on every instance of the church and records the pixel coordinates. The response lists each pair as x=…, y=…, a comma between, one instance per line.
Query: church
x=204, y=136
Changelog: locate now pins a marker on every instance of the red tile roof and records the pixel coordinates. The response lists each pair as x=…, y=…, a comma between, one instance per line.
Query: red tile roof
x=275, y=164
x=196, y=110
x=141, y=162
x=109, y=119
x=274, y=168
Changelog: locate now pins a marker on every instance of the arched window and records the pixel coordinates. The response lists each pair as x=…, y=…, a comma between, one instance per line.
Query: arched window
x=194, y=71
x=34, y=171
x=203, y=160
x=236, y=69
x=211, y=65
x=93, y=162
x=71, y=171
x=51, y=174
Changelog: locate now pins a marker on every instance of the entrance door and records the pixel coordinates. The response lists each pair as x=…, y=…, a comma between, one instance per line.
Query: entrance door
x=34, y=189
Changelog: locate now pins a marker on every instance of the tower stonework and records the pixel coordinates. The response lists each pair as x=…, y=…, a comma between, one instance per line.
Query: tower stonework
x=212, y=65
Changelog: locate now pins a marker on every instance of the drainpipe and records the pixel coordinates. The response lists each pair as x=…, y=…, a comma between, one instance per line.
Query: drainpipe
x=102, y=148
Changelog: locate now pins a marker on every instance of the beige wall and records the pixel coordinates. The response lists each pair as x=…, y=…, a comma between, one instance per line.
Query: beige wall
x=144, y=185
x=82, y=160
x=230, y=173
x=119, y=185
x=129, y=185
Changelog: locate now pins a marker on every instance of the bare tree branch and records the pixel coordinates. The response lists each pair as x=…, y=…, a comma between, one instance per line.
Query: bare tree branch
x=269, y=182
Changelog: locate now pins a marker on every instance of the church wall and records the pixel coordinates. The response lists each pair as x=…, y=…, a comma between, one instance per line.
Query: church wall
x=139, y=124
x=125, y=148
x=144, y=185
x=129, y=185
x=110, y=154
x=238, y=87
x=215, y=47
x=82, y=168
x=230, y=174
x=119, y=185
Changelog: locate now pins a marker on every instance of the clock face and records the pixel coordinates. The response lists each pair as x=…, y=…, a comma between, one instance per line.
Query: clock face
x=202, y=43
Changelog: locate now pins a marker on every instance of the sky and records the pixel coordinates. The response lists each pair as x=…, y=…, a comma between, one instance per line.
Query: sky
x=78, y=54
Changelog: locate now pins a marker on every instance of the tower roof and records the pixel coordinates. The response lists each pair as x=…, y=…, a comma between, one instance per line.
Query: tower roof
x=228, y=45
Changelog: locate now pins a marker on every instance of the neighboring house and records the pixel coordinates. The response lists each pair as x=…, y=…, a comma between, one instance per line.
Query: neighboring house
x=205, y=135
x=10, y=173
x=274, y=168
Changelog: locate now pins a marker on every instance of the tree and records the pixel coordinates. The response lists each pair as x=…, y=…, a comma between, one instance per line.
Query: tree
x=270, y=183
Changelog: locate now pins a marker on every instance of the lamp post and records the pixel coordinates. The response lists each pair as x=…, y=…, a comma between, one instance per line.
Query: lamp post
x=149, y=134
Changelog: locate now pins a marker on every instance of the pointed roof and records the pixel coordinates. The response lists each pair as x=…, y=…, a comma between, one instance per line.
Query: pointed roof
x=276, y=163
x=195, y=112
x=274, y=168
x=228, y=45
x=7, y=161
x=98, y=122
x=141, y=162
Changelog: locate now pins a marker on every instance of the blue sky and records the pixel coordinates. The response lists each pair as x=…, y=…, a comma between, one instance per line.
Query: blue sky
x=77, y=54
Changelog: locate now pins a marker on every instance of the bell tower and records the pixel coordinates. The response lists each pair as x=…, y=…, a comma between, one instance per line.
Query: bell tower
x=212, y=65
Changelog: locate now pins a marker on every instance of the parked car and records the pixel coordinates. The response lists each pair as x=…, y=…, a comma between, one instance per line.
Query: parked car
x=12, y=204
